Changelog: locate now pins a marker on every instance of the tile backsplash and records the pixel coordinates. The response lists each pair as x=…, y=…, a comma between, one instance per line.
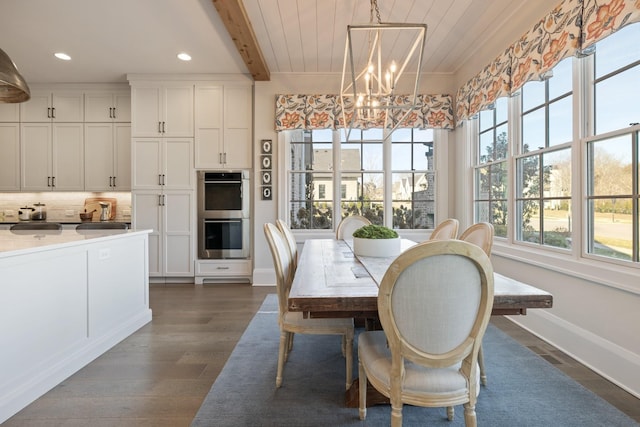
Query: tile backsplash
x=61, y=206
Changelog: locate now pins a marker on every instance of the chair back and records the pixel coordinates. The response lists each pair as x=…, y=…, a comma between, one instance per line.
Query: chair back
x=480, y=234
x=291, y=243
x=282, y=264
x=350, y=224
x=447, y=229
x=434, y=302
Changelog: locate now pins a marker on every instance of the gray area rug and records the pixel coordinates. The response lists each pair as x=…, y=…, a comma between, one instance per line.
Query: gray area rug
x=523, y=389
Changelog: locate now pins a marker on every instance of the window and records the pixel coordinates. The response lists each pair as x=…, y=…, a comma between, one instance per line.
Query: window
x=357, y=186
x=491, y=178
x=413, y=179
x=543, y=167
x=613, y=173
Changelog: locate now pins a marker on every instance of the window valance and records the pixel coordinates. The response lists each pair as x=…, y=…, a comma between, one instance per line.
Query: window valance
x=572, y=26
x=325, y=112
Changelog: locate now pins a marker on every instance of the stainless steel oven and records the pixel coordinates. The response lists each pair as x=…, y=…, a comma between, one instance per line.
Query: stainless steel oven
x=223, y=214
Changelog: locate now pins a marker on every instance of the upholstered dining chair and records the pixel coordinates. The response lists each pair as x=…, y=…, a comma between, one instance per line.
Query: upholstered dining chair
x=291, y=244
x=293, y=322
x=480, y=234
x=426, y=354
x=350, y=224
x=447, y=229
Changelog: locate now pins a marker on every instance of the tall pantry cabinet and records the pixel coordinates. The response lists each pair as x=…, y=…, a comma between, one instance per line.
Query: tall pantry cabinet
x=163, y=185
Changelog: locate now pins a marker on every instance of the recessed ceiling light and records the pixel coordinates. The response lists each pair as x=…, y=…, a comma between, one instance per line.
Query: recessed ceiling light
x=184, y=56
x=62, y=56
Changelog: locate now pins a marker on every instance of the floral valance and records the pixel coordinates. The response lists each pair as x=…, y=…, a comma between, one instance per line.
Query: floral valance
x=325, y=112
x=570, y=27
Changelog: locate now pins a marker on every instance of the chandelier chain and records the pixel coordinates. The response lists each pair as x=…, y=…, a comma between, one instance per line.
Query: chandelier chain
x=374, y=6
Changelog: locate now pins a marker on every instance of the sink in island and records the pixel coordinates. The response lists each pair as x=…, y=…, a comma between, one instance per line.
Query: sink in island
x=66, y=298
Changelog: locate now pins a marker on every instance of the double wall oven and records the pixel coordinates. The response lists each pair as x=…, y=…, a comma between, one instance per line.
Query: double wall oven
x=223, y=214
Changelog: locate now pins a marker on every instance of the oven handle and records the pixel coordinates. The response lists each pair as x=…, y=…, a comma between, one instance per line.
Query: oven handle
x=222, y=182
x=223, y=220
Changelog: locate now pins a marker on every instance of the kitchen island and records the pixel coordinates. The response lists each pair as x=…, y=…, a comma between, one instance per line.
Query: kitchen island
x=65, y=298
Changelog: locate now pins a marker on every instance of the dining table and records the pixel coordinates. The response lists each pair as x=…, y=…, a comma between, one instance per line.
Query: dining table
x=331, y=281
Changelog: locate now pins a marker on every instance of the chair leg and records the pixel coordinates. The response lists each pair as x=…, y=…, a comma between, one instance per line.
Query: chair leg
x=396, y=414
x=362, y=391
x=470, y=415
x=288, y=346
x=483, y=374
x=348, y=339
x=450, y=413
x=281, y=357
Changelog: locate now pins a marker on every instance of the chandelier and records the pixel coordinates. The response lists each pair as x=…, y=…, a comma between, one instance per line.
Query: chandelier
x=381, y=72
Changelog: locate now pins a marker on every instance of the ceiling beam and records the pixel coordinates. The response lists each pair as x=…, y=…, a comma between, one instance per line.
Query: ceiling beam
x=239, y=27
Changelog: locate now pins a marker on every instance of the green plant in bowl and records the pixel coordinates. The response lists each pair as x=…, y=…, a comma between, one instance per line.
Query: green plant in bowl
x=373, y=231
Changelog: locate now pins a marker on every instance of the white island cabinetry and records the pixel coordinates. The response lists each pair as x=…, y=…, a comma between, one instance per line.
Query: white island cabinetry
x=67, y=298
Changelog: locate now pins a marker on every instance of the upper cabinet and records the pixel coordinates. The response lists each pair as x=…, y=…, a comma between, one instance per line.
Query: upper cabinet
x=223, y=125
x=103, y=106
x=9, y=113
x=53, y=106
x=162, y=109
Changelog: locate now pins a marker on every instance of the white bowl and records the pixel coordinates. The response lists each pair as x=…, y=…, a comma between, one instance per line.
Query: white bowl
x=376, y=247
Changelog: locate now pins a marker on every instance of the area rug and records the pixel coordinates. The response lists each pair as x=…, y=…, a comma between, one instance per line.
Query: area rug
x=523, y=389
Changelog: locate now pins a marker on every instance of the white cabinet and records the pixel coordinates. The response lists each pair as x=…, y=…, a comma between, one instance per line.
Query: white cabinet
x=162, y=163
x=107, y=160
x=52, y=157
x=109, y=107
x=10, y=113
x=56, y=106
x=223, y=123
x=223, y=270
x=162, y=110
x=10, y=158
x=163, y=182
x=170, y=214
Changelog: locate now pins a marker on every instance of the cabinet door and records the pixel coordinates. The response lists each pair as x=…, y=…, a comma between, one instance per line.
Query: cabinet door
x=98, y=149
x=177, y=111
x=145, y=111
x=146, y=215
x=68, y=106
x=146, y=163
x=68, y=157
x=179, y=247
x=107, y=107
x=178, y=164
x=35, y=155
x=122, y=157
x=10, y=113
x=37, y=108
x=208, y=127
x=10, y=158
x=237, y=127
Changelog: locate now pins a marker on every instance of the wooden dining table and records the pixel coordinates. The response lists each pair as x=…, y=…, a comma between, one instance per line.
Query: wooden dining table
x=330, y=281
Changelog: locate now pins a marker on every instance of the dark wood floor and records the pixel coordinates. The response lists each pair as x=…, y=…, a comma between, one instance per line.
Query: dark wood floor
x=160, y=375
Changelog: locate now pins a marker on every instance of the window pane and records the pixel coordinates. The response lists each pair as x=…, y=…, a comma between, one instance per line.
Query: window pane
x=486, y=147
x=529, y=212
x=557, y=173
x=561, y=82
x=612, y=234
x=556, y=223
x=502, y=109
x=498, y=218
x=423, y=156
x=617, y=50
x=323, y=135
x=561, y=121
x=486, y=119
x=528, y=172
x=305, y=209
x=423, y=135
x=533, y=130
x=401, y=134
x=350, y=159
x=483, y=183
x=611, y=161
x=375, y=134
x=372, y=156
x=533, y=95
x=502, y=146
x=499, y=180
x=401, y=156
x=617, y=102
x=322, y=159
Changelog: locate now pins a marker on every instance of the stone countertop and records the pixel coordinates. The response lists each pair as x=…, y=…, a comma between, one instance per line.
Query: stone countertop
x=63, y=222
x=31, y=241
